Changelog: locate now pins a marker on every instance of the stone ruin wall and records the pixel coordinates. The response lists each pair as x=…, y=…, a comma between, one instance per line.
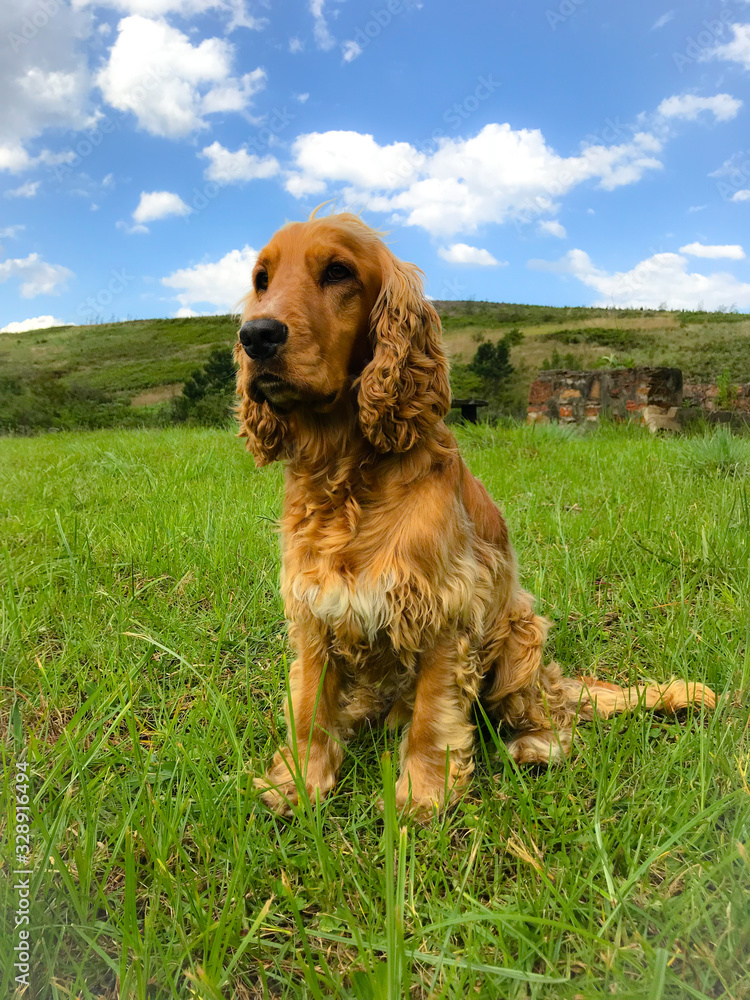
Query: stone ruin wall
x=704, y=396
x=569, y=396
x=656, y=396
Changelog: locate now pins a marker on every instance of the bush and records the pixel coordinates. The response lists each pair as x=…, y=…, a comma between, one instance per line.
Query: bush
x=208, y=395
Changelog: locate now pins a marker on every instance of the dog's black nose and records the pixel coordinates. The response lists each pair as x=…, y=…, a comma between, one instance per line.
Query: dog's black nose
x=261, y=338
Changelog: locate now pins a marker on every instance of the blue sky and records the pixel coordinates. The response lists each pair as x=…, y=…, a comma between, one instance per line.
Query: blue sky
x=568, y=152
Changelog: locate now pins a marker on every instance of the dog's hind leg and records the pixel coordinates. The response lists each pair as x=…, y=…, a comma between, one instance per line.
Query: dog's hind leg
x=538, y=701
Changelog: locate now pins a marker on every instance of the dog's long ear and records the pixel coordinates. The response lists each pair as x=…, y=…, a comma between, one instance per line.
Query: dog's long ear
x=404, y=390
x=266, y=431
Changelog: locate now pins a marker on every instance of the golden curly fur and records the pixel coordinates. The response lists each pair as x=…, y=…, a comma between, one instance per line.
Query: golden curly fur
x=398, y=578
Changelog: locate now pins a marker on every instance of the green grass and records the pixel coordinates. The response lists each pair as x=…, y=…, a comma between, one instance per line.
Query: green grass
x=47, y=376
x=143, y=669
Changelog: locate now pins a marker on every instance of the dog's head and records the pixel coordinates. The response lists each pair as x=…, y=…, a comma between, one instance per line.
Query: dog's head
x=332, y=312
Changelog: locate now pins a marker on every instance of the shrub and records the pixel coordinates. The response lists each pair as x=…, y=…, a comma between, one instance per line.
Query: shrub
x=208, y=395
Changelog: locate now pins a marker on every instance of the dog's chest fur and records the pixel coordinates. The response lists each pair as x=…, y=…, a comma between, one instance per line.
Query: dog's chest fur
x=326, y=574
x=370, y=572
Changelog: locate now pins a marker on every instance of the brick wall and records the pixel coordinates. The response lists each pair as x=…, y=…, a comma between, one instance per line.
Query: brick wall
x=704, y=395
x=623, y=393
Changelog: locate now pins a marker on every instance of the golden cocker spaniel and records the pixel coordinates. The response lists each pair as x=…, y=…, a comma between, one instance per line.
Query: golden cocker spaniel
x=398, y=578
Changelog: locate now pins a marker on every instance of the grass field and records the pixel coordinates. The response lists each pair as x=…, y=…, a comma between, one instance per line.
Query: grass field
x=143, y=668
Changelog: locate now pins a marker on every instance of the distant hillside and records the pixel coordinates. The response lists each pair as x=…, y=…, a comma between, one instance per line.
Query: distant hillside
x=123, y=373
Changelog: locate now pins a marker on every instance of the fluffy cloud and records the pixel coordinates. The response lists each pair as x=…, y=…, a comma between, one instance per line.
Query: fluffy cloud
x=661, y=279
x=723, y=107
x=350, y=50
x=226, y=167
x=730, y=251
x=664, y=19
x=323, y=37
x=353, y=158
x=44, y=79
x=169, y=84
x=236, y=9
x=499, y=175
x=738, y=50
x=220, y=283
x=37, y=277
x=551, y=227
x=156, y=205
x=27, y=190
x=35, y=323
x=462, y=253
x=742, y=195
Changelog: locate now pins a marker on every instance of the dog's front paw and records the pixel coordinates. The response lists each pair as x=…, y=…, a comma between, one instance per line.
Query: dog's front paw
x=282, y=782
x=424, y=793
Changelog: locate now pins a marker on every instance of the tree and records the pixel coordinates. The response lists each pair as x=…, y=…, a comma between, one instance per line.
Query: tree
x=492, y=361
x=208, y=393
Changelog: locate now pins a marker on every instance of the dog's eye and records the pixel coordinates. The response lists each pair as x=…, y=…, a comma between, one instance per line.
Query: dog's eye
x=336, y=272
x=261, y=281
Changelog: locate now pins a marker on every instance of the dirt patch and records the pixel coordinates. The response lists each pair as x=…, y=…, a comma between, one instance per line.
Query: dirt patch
x=157, y=394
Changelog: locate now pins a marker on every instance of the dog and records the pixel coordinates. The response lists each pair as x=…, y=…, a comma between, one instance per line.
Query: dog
x=399, y=581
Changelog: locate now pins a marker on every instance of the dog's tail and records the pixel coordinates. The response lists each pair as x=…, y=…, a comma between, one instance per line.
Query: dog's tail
x=561, y=700
x=591, y=696
x=542, y=704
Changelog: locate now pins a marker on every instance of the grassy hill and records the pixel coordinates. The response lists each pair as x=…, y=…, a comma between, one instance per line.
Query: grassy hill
x=123, y=373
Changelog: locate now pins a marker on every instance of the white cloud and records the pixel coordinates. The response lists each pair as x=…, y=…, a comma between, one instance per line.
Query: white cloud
x=696, y=208
x=738, y=50
x=350, y=50
x=723, y=107
x=35, y=323
x=13, y=157
x=156, y=205
x=10, y=232
x=664, y=19
x=236, y=9
x=730, y=251
x=220, y=283
x=661, y=279
x=44, y=79
x=551, y=227
x=169, y=84
x=356, y=159
x=296, y=45
x=36, y=275
x=323, y=37
x=226, y=167
x=462, y=253
x=27, y=190
x=743, y=195
x=498, y=175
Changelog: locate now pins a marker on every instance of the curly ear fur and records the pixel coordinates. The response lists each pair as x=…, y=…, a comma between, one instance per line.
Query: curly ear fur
x=266, y=431
x=404, y=390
